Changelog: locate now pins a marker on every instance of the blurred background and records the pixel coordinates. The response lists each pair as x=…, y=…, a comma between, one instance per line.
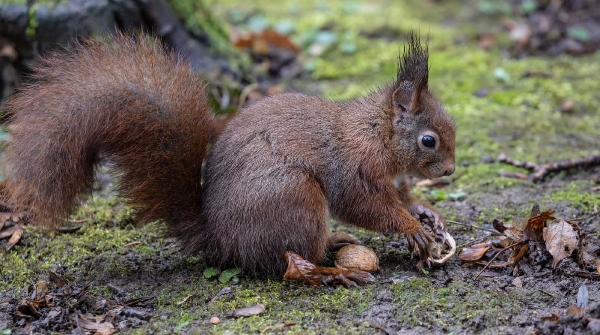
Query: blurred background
x=518, y=75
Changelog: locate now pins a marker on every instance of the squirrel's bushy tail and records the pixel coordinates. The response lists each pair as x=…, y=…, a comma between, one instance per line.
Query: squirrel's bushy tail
x=127, y=101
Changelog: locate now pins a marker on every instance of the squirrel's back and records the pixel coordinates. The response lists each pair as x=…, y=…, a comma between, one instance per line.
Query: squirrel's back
x=127, y=101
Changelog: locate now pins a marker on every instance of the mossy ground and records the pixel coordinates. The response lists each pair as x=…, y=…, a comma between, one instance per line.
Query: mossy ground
x=518, y=115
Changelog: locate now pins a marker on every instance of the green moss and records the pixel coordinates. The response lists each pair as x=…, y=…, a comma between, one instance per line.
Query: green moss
x=578, y=195
x=519, y=116
x=424, y=304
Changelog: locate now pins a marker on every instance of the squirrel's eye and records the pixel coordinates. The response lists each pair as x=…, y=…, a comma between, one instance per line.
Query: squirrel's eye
x=428, y=141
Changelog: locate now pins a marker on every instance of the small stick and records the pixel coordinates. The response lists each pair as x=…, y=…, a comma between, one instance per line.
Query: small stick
x=539, y=171
x=493, y=258
x=481, y=239
x=493, y=231
x=585, y=217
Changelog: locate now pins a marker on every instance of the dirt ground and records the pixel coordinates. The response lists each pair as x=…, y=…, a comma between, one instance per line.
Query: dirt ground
x=536, y=108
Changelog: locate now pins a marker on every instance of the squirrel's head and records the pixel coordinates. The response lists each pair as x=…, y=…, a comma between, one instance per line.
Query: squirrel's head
x=424, y=132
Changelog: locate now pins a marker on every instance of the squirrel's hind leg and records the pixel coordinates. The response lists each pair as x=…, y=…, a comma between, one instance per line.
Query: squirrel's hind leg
x=282, y=209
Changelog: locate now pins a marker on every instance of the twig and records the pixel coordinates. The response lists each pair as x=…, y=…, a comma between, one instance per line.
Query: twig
x=540, y=171
x=493, y=231
x=585, y=217
x=493, y=258
x=481, y=239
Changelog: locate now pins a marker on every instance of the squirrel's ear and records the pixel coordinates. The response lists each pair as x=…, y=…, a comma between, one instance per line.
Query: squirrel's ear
x=413, y=74
x=406, y=98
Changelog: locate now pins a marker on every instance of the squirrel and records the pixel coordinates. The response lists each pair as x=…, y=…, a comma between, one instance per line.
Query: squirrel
x=268, y=184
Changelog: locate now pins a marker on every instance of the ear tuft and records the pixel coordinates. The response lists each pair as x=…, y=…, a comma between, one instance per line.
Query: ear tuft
x=413, y=74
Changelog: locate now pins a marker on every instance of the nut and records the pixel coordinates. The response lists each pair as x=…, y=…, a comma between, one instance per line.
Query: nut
x=358, y=257
x=444, y=258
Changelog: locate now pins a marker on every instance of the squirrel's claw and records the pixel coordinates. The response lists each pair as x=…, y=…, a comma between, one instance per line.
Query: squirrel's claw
x=432, y=219
x=420, y=241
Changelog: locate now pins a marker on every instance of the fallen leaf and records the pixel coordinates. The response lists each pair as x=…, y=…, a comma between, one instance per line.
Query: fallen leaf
x=517, y=282
x=561, y=240
x=553, y=318
x=536, y=223
x=474, y=252
x=263, y=42
x=598, y=265
x=15, y=238
x=575, y=311
x=59, y=281
x=515, y=231
x=39, y=290
x=7, y=232
x=499, y=225
x=100, y=328
x=300, y=269
x=248, y=311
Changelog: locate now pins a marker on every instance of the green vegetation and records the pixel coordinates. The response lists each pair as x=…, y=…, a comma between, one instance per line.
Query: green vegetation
x=359, y=43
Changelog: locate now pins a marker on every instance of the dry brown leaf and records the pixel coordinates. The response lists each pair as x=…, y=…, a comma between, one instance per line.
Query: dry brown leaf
x=15, y=238
x=248, y=311
x=39, y=290
x=38, y=299
x=262, y=43
x=59, y=281
x=561, y=240
x=474, y=252
x=535, y=225
x=515, y=232
x=95, y=327
x=576, y=311
x=598, y=265
x=301, y=269
x=7, y=232
x=553, y=318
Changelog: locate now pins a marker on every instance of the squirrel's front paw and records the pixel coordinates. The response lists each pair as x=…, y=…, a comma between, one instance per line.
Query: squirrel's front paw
x=420, y=240
x=431, y=218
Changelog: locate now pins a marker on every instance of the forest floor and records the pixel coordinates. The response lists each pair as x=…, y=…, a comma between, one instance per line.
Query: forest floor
x=538, y=108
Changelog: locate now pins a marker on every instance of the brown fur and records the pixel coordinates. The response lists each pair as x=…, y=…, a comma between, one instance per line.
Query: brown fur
x=275, y=173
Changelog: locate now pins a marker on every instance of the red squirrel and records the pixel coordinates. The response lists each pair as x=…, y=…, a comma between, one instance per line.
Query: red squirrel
x=275, y=174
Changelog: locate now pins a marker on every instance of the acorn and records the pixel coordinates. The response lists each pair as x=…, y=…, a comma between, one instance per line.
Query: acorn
x=357, y=257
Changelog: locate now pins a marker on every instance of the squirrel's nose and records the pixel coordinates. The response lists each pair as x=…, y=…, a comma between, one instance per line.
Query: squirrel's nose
x=449, y=171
